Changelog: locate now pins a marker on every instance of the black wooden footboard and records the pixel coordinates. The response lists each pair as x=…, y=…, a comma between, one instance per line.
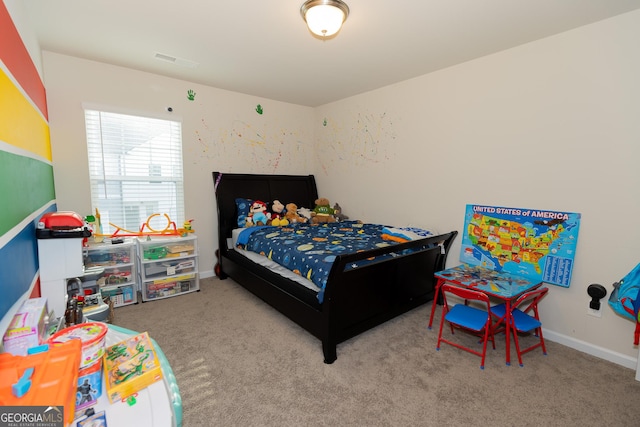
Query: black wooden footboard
x=357, y=300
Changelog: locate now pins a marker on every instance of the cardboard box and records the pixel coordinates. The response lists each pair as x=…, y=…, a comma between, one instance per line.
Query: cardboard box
x=130, y=366
x=89, y=387
x=27, y=328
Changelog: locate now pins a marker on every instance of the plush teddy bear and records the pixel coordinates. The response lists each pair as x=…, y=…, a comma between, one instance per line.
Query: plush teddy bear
x=337, y=213
x=322, y=212
x=278, y=214
x=258, y=214
x=292, y=214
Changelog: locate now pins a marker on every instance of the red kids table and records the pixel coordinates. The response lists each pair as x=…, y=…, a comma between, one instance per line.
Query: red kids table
x=504, y=286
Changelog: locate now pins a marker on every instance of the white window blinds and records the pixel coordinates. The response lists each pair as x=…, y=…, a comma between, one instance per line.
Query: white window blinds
x=135, y=167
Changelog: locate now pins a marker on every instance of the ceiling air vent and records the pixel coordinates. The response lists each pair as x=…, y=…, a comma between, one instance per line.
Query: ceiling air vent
x=178, y=61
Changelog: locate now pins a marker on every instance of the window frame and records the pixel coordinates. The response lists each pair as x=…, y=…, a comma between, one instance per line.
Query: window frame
x=134, y=166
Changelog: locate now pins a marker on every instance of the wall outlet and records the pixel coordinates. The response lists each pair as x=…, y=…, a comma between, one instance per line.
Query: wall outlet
x=594, y=313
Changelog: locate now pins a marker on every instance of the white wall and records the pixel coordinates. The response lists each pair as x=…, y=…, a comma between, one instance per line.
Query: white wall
x=221, y=131
x=552, y=125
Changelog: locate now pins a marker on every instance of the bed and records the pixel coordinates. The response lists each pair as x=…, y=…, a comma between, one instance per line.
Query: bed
x=354, y=300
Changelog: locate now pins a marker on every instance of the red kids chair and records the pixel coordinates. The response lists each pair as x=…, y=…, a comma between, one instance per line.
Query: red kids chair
x=472, y=319
x=524, y=319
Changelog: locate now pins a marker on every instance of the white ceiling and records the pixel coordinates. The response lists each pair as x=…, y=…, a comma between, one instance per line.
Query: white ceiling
x=263, y=48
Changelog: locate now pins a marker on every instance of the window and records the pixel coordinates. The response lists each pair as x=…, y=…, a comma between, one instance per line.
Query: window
x=135, y=167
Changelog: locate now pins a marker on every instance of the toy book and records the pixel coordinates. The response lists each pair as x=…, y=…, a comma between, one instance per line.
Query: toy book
x=130, y=366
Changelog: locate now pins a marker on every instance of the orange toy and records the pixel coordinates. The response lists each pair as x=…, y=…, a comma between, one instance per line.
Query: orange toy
x=53, y=381
x=170, y=229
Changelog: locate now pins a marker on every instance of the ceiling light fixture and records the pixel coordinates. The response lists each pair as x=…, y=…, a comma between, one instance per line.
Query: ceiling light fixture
x=324, y=17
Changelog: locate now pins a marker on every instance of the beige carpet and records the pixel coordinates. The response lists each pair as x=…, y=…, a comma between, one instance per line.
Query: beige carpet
x=238, y=362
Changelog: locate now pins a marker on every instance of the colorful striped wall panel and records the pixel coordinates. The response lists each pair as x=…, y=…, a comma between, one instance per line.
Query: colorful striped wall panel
x=26, y=172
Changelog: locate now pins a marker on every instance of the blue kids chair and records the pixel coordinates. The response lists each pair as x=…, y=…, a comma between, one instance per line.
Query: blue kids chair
x=472, y=319
x=524, y=319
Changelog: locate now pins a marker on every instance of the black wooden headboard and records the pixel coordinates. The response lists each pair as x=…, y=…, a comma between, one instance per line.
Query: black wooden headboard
x=298, y=189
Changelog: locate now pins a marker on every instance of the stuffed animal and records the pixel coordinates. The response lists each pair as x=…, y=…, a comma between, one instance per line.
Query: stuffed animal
x=323, y=212
x=337, y=213
x=305, y=213
x=258, y=214
x=278, y=214
x=292, y=214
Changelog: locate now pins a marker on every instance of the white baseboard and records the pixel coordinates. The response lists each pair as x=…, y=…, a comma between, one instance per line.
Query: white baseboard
x=205, y=274
x=594, y=350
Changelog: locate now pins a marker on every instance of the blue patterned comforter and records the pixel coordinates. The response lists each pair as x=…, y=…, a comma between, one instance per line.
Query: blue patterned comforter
x=310, y=250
